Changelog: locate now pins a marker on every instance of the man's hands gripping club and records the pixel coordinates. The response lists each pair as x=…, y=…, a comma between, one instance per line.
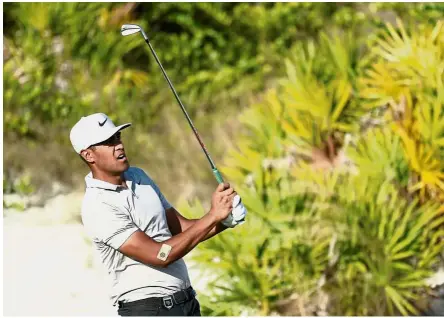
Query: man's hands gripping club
x=237, y=215
x=227, y=207
x=222, y=201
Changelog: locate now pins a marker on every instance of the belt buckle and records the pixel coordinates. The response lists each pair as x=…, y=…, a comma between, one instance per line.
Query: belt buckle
x=168, y=302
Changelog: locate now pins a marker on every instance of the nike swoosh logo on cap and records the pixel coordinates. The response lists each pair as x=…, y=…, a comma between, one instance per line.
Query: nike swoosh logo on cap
x=101, y=124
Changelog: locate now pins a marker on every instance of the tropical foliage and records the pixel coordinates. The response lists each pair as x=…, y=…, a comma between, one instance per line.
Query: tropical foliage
x=341, y=170
x=63, y=60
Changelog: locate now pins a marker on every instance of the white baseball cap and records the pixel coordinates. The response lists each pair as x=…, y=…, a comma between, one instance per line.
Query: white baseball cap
x=93, y=129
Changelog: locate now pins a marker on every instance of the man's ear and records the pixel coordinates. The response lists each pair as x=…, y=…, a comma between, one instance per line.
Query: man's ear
x=87, y=155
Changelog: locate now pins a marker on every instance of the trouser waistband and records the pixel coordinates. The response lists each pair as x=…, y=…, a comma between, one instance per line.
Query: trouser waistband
x=167, y=301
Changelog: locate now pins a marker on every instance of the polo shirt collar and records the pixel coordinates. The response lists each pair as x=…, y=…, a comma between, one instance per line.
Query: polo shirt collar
x=96, y=183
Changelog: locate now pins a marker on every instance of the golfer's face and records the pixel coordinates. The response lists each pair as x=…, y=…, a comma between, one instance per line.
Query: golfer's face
x=110, y=155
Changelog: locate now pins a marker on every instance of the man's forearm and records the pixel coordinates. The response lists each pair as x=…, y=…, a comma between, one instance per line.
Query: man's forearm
x=184, y=242
x=178, y=224
x=215, y=230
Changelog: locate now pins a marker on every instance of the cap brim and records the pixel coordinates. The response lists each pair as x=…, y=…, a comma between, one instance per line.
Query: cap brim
x=112, y=132
x=117, y=129
x=121, y=127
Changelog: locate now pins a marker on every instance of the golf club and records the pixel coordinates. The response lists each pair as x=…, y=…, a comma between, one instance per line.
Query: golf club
x=128, y=29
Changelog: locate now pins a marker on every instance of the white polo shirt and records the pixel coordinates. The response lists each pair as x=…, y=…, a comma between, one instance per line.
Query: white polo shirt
x=110, y=215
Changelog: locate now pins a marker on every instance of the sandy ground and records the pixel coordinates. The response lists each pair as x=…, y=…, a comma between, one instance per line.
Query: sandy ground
x=46, y=274
x=48, y=268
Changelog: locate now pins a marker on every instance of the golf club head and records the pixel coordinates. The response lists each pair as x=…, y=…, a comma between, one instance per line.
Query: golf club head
x=128, y=29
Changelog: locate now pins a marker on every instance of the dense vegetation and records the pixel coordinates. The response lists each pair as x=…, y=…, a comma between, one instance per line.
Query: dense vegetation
x=333, y=120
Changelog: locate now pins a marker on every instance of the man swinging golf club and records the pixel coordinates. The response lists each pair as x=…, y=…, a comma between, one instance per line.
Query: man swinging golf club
x=140, y=238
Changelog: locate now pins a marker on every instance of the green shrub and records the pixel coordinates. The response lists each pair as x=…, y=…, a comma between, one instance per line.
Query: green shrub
x=334, y=225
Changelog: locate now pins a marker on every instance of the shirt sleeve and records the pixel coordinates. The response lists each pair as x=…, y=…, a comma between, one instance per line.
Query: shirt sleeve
x=166, y=205
x=108, y=224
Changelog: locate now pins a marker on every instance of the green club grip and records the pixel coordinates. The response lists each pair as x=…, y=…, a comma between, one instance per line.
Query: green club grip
x=218, y=176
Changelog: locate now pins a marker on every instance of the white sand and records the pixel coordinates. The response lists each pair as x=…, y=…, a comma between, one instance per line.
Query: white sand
x=48, y=268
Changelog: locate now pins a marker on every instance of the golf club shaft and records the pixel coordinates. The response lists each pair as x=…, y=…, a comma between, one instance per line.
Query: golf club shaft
x=213, y=166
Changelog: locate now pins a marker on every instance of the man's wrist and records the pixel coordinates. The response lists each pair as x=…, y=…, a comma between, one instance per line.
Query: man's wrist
x=214, y=219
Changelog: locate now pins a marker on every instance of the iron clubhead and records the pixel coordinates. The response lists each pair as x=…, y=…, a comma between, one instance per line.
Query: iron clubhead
x=128, y=29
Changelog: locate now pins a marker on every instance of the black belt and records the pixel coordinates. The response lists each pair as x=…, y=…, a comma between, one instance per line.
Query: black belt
x=167, y=301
